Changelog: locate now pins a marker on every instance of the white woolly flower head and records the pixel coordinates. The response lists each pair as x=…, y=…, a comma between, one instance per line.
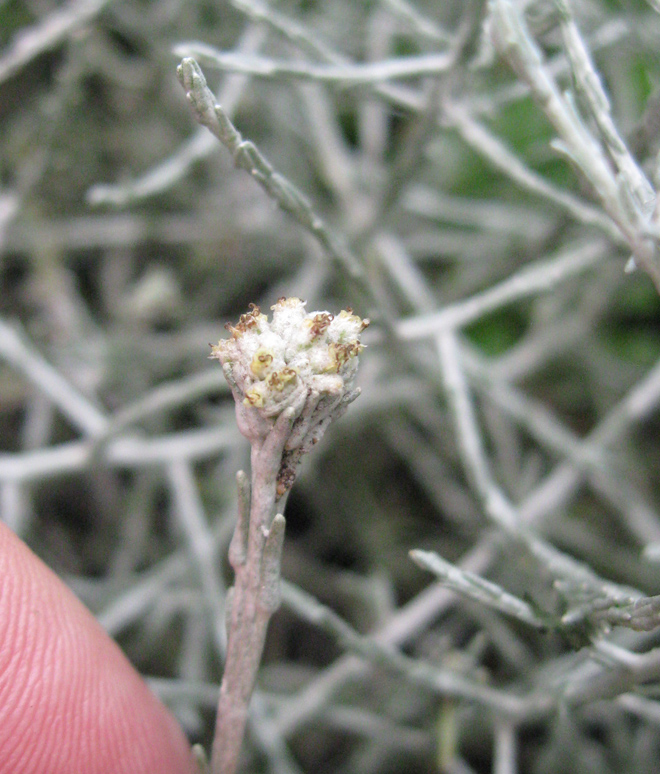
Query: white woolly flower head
x=307, y=360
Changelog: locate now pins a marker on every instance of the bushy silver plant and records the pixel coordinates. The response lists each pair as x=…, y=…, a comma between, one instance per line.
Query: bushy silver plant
x=480, y=180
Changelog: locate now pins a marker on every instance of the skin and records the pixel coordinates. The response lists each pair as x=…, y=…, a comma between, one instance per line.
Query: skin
x=69, y=699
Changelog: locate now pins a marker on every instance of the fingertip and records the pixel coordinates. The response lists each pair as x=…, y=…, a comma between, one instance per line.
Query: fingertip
x=70, y=701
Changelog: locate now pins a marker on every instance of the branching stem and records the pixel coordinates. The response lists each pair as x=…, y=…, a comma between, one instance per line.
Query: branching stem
x=255, y=556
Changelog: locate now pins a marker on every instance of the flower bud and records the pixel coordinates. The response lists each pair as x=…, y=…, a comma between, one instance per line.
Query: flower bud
x=300, y=359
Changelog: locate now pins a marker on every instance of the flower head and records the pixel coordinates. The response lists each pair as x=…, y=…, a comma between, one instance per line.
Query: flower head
x=306, y=360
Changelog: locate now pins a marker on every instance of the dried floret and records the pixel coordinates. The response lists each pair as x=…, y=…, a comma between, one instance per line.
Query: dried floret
x=304, y=360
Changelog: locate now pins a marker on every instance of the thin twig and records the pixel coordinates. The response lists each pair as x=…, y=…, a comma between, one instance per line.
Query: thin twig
x=47, y=34
x=529, y=281
x=255, y=556
x=166, y=174
x=343, y=76
x=625, y=193
x=16, y=350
